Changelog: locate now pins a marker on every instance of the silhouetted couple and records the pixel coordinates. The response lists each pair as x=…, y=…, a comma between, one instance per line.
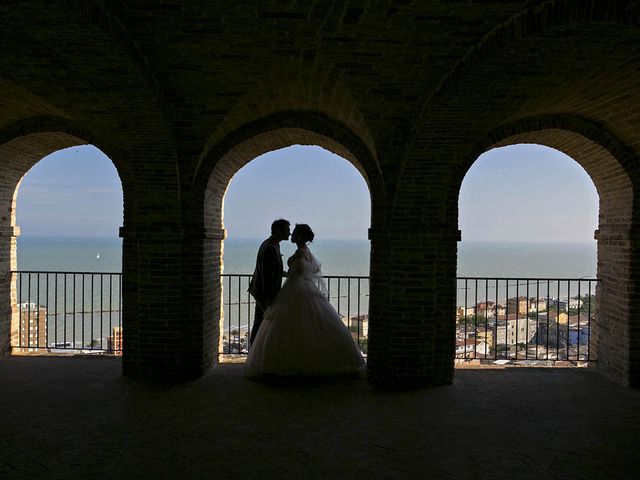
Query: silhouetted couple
x=296, y=330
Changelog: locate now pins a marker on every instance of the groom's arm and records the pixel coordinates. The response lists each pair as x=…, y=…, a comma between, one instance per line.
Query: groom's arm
x=271, y=273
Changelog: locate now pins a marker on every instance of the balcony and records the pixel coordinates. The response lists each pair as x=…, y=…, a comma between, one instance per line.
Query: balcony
x=522, y=321
x=79, y=416
x=67, y=312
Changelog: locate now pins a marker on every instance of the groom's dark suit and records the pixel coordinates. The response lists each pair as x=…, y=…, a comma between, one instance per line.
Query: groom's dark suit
x=266, y=281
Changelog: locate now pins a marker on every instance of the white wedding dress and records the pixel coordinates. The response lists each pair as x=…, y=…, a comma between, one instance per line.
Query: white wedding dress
x=302, y=334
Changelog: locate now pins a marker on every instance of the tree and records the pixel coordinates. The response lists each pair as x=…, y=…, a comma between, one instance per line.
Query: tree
x=589, y=304
x=472, y=320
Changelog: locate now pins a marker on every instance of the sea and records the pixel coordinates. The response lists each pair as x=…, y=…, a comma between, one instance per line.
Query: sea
x=338, y=257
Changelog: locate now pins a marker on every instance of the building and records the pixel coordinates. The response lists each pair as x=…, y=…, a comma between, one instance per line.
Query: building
x=537, y=304
x=575, y=303
x=514, y=330
x=114, y=341
x=472, y=349
x=357, y=325
x=486, y=309
x=518, y=305
x=558, y=304
x=579, y=329
x=580, y=320
x=551, y=334
x=462, y=312
x=360, y=325
x=486, y=335
x=31, y=332
x=559, y=317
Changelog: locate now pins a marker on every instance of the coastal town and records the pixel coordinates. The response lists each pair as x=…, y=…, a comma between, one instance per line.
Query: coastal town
x=526, y=328
x=542, y=329
x=539, y=329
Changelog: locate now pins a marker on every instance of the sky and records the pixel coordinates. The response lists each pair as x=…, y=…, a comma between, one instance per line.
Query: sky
x=75, y=192
x=305, y=185
x=527, y=193
x=515, y=193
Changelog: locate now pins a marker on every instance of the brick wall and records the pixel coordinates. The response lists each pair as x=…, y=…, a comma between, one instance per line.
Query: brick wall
x=180, y=95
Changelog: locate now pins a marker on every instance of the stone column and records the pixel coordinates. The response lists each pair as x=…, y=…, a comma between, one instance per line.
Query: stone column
x=8, y=306
x=614, y=341
x=412, y=311
x=202, y=295
x=154, y=323
x=171, y=301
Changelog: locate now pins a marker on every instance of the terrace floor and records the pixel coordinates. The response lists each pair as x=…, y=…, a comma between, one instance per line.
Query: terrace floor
x=78, y=417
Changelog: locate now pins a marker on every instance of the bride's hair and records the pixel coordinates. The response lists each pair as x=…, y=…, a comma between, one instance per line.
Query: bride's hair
x=304, y=232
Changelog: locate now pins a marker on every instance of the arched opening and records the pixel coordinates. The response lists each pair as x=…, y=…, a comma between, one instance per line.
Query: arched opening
x=527, y=217
x=304, y=184
x=224, y=163
x=602, y=159
x=61, y=291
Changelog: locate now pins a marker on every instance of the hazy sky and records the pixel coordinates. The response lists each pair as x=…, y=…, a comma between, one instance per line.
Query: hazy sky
x=523, y=192
x=304, y=185
x=527, y=193
x=72, y=192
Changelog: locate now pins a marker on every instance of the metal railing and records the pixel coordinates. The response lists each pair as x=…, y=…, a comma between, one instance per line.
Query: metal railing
x=497, y=319
x=68, y=311
x=348, y=294
x=525, y=319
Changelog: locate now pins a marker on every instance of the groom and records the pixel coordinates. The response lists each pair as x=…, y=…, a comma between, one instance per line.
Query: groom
x=267, y=276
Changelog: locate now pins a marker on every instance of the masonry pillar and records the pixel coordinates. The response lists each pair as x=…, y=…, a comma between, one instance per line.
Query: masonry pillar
x=8, y=263
x=202, y=286
x=616, y=331
x=412, y=311
x=154, y=324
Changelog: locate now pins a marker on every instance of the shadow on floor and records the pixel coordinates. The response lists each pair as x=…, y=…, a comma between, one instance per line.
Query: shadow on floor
x=72, y=417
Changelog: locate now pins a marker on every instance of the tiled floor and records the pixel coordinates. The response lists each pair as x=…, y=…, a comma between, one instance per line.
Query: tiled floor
x=79, y=418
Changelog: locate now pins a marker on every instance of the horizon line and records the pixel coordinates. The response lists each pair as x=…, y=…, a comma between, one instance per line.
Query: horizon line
x=253, y=238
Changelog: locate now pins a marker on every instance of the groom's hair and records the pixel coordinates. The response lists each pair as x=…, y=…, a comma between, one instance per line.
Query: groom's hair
x=279, y=224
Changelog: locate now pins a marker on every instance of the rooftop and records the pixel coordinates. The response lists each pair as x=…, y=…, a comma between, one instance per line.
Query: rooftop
x=78, y=416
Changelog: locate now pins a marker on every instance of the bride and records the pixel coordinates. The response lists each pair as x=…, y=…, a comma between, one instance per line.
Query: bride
x=302, y=334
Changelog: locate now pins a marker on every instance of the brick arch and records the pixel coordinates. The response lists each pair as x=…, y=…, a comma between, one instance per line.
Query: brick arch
x=297, y=86
x=22, y=145
x=38, y=129
x=534, y=19
x=100, y=15
x=613, y=170
x=279, y=131
x=205, y=226
x=611, y=165
x=583, y=77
